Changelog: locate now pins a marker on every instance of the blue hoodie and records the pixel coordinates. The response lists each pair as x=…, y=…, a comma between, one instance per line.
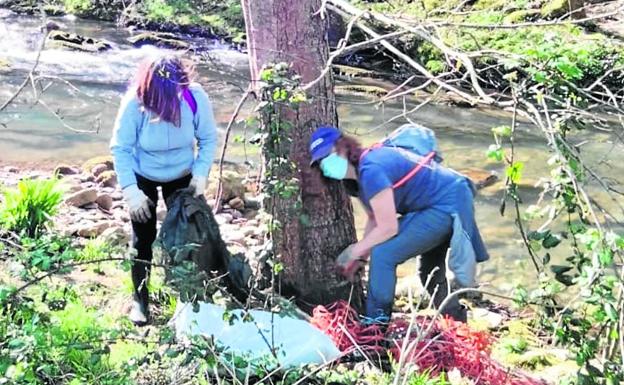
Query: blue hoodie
x=159, y=150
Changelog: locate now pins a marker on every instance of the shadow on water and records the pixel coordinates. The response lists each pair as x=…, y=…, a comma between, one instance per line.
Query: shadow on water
x=30, y=133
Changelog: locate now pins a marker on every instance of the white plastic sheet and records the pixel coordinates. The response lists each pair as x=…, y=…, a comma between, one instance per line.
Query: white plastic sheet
x=296, y=341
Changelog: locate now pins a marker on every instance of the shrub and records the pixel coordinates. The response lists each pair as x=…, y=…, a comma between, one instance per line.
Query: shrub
x=28, y=208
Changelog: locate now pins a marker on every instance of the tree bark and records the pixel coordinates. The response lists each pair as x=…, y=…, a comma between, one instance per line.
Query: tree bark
x=308, y=239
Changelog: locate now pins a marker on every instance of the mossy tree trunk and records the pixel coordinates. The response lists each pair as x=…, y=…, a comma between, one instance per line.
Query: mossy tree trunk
x=316, y=223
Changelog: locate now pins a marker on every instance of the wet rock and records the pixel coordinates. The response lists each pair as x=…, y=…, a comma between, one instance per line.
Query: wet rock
x=63, y=170
x=99, y=169
x=158, y=39
x=53, y=26
x=481, y=178
x=73, y=41
x=93, y=229
x=107, y=179
x=82, y=197
x=105, y=201
x=237, y=204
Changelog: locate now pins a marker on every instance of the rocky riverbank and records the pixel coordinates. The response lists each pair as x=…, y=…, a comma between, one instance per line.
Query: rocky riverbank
x=94, y=208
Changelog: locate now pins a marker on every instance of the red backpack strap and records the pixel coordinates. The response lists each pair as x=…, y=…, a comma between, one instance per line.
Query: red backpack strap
x=415, y=170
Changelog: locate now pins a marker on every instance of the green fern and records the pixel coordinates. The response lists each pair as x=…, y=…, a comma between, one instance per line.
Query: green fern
x=29, y=207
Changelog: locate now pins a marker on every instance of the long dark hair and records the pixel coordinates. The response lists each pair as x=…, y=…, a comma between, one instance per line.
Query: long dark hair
x=352, y=147
x=159, y=83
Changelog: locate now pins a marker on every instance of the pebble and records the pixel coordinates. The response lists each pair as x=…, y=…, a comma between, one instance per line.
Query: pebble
x=117, y=196
x=161, y=213
x=63, y=170
x=105, y=201
x=82, y=197
x=93, y=229
x=11, y=169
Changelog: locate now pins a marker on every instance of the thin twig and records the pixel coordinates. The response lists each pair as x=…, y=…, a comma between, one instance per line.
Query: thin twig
x=228, y=129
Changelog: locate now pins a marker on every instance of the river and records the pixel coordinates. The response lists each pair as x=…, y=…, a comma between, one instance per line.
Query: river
x=32, y=134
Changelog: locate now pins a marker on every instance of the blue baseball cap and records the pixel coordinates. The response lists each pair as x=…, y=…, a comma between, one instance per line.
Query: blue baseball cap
x=322, y=141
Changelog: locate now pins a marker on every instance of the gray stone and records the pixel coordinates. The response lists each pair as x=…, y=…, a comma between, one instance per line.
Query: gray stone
x=99, y=169
x=63, y=170
x=493, y=320
x=107, y=179
x=223, y=218
x=237, y=203
x=105, y=201
x=91, y=230
x=82, y=197
x=116, y=235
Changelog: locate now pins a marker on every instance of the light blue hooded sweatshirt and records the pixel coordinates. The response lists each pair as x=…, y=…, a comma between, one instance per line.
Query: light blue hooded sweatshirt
x=158, y=150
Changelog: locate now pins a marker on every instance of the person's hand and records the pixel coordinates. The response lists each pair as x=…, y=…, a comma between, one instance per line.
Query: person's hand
x=348, y=263
x=198, y=183
x=138, y=203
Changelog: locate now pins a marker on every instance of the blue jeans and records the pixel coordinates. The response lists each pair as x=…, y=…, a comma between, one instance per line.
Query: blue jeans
x=426, y=233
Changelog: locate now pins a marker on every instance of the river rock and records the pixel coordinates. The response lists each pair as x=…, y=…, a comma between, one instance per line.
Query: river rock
x=234, y=236
x=158, y=39
x=223, y=218
x=63, y=170
x=481, y=178
x=82, y=197
x=116, y=235
x=73, y=41
x=92, y=162
x=253, y=202
x=493, y=320
x=105, y=201
x=99, y=169
x=93, y=229
x=232, y=183
x=237, y=204
x=107, y=179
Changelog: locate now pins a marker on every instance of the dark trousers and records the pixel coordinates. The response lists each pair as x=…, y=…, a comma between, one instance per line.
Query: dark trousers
x=144, y=234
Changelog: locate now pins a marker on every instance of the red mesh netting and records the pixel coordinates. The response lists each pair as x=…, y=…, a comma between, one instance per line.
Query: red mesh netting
x=444, y=345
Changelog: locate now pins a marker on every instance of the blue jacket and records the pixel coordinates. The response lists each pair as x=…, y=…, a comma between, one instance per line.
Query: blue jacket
x=159, y=150
x=434, y=186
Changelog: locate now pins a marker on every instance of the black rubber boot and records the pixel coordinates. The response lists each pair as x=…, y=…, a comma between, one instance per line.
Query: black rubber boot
x=139, y=312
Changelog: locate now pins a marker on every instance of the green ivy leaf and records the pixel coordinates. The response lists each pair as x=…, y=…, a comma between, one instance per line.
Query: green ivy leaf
x=560, y=269
x=502, y=131
x=514, y=172
x=551, y=241
x=495, y=152
x=611, y=312
x=605, y=256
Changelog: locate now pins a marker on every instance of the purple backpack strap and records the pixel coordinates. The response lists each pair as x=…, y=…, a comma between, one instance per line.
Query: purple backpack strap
x=190, y=99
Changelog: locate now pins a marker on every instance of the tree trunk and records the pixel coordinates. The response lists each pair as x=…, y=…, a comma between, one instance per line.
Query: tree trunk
x=309, y=237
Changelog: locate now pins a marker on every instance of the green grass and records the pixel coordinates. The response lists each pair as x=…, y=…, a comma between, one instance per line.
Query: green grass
x=28, y=208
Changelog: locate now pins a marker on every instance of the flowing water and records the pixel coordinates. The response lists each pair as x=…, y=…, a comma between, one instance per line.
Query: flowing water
x=33, y=134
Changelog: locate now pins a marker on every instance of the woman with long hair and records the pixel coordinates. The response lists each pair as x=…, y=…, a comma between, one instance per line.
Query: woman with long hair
x=409, y=214
x=164, y=135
